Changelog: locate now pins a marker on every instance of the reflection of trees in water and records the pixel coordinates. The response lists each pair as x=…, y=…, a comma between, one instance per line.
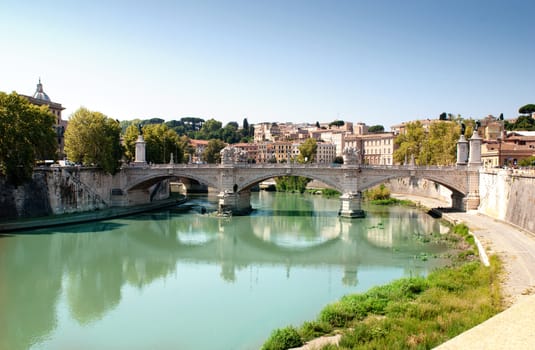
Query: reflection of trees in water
x=96, y=260
x=29, y=295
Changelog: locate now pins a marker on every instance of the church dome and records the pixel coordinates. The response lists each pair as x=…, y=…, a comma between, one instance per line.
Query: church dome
x=40, y=94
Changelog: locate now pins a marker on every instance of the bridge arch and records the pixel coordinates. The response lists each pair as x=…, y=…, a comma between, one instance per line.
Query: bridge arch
x=257, y=178
x=453, y=188
x=151, y=179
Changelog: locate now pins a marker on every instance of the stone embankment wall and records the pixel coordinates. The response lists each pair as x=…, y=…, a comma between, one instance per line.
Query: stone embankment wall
x=508, y=195
x=420, y=187
x=55, y=191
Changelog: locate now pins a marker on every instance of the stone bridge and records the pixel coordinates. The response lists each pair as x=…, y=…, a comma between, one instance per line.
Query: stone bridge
x=135, y=184
x=234, y=177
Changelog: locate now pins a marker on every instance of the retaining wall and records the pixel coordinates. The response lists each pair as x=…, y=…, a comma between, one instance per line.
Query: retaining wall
x=420, y=187
x=508, y=195
x=55, y=191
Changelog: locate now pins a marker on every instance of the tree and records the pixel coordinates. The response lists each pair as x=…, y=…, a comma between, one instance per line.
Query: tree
x=230, y=133
x=192, y=123
x=443, y=116
x=160, y=143
x=337, y=123
x=436, y=147
x=93, y=138
x=317, y=124
x=409, y=142
x=187, y=147
x=307, y=151
x=291, y=183
x=530, y=161
x=211, y=129
x=126, y=123
x=211, y=152
x=376, y=128
x=440, y=144
x=154, y=121
x=129, y=140
x=527, y=109
x=245, y=127
x=26, y=134
x=523, y=122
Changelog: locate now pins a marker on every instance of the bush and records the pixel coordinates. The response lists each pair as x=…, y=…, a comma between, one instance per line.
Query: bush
x=314, y=329
x=379, y=192
x=282, y=339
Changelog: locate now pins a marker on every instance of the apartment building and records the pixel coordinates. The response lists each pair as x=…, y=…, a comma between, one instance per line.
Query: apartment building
x=266, y=132
x=250, y=148
x=378, y=149
x=325, y=153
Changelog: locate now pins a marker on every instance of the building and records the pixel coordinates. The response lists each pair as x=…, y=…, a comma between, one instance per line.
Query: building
x=509, y=150
x=378, y=149
x=426, y=124
x=491, y=128
x=199, y=146
x=325, y=152
x=336, y=137
x=266, y=132
x=40, y=98
x=283, y=151
x=250, y=148
x=265, y=152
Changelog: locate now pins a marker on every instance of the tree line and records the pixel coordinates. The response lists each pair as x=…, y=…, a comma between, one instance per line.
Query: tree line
x=28, y=134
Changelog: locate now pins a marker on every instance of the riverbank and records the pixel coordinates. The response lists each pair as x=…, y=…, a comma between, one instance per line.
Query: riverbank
x=515, y=247
x=66, y=219
x=513, y=328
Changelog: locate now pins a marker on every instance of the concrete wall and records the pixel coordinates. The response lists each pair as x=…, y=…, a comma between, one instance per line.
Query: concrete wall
x=508, y=195
x=419, y=187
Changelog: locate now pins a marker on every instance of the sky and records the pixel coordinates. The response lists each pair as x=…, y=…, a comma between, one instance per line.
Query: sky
x=377, y=62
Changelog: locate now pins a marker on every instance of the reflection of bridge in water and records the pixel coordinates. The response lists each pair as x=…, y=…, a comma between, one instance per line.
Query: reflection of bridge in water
x=92, y=263
x=372, y=242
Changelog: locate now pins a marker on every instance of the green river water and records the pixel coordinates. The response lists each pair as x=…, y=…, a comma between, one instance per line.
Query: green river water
x=178, y=279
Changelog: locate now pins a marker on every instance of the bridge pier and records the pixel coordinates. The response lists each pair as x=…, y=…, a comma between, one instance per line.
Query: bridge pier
x=458, y=201
x=350, y=205
x=236, y=203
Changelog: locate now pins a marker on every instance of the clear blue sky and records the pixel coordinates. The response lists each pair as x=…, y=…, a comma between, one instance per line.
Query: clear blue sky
x=379, y=62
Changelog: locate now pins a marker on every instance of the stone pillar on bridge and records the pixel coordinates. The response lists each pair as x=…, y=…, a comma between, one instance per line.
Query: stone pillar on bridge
x=140, y=151
x=350, y=205
x=474, y=163
x=475, y=150
x=232, y=200
x=462, y=150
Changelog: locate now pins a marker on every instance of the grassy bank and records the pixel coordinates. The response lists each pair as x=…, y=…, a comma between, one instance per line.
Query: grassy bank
x=409, y=313
x=393, y=201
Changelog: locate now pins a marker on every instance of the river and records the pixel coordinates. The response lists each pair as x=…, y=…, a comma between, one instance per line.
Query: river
x=178, y=279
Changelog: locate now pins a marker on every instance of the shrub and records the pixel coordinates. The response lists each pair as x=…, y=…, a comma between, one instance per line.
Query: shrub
x=282, y=339
x=379, y=192
x=314, y=329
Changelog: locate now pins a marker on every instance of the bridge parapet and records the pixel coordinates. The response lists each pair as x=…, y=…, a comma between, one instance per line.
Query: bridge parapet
x=234, y=180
